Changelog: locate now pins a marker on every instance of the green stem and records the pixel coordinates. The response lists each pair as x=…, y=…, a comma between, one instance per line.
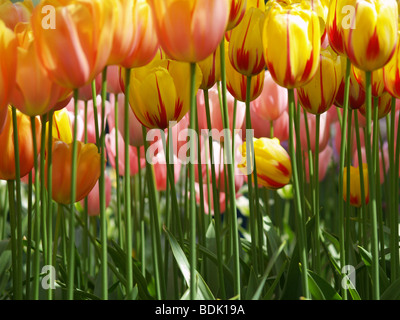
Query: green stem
x=14, y=250
x=316, y=186
x=96, y=120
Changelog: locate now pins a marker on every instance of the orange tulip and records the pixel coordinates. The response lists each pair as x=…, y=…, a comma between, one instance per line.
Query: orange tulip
x=78, y=48
x=25, y=145
x=146, y=42
x=317, y=96
x=371, y=39
x=238, y=8
x=245, y=45
x=8, y=53
x=190, y=30
x=34, y=94
x=12, y=13
x=88, y=170
x=292, y=43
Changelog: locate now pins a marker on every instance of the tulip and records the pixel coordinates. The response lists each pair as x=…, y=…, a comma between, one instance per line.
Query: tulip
x=236, y=83
x=160, y=93
x=211, y=70
x=34, y=94
x=25, y=145
x=113, y=79
x=86, y=92
x=8, y=52
x=338, y=18
x=238, y=8
x=160, y=170
x=245, y=46
x=384, y=105
x=88, y=170
x=324, y=160
x=190, y=30
x=78, y=48
x=391, y=72
x=355, y=187
x=356, y=92
x=274, y=168
x=292, y=44
x=217, y=128
x=146, y=42
x=324, y=131
x=371, y=40
x=94, y=198
x=123, y=30
x=12, y=13
x=377, y=83
x=133, y=158
x=273, y=100
x=317, y=96
x=135, y=127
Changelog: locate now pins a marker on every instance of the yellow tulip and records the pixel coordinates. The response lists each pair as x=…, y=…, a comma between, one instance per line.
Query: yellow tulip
x=88, y=170
x=317, y=96
x=292, y=43
x=371, y=40
x=61, y=127
x=338, y=19
x=355, y=186
x=391, y=72
x=274, y=168
x=25, y=145
x=245, y=45
x=159, y=93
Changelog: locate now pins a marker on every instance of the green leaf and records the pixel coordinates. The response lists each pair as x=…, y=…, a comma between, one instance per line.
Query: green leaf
x=392, y=292
x=367, y=259
x=320, y=289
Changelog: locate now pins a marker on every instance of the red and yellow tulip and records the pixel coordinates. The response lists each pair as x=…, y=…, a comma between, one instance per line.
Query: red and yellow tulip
x=384, y=105
x=238, y=8
x=391, y=73
x=210, y=69
x=355, y=186
x=377, y=83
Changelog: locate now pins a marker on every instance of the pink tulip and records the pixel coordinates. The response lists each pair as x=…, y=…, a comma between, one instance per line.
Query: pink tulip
x=215, y=113
x=325, y=158
x=94, y=197
x=133, y=159
x=113, y=79
x=324, y=131
x=273, y=100
x=160, y=170
x=85, y=93
x=135, y=127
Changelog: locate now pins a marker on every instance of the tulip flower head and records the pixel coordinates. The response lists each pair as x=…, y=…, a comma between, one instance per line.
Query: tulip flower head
x=190, y=30
x=210, y=69
x=377, y=83
x=317, y=96
x=391, y=72
x=338, y=19
x=292, y=43
x=274, y=168
x=12, y=13
x=384, y=105
x=238, y=8
x=371, y=40
x=355, y=185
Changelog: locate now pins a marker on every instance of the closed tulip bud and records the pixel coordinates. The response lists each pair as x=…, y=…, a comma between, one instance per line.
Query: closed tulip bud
x=236, y=83
x=273, y=100
x=245, y=45
x=292, y=44
x=274, y=168
x=317, y=96
x=190, y=30
x=160, y=93
x=77, y=49
x=356, y=92
x=61, y=127
x=88, y=170
x=355, y=186
x=25, y=145
x=211, y=70
x=371, y=39
x=338, y=19
x=384, y=105
x=238, y=8
x=146, y=41
x=377, y=83
x=35, y=93
x=12, y=13
x=391, y=72
x=8, y=52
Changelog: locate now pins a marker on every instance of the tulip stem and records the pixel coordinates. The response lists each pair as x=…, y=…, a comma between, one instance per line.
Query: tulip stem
x=348, y=207
x=95, y=114
x=18, y=210
x=36, y=231
x=127, y=191
x=394, y=243
x=71, y=252
x=231, y=178
x=341, y=168
x=299, y=216
x=217, y=214
x=372, y=187
x=316, y=186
